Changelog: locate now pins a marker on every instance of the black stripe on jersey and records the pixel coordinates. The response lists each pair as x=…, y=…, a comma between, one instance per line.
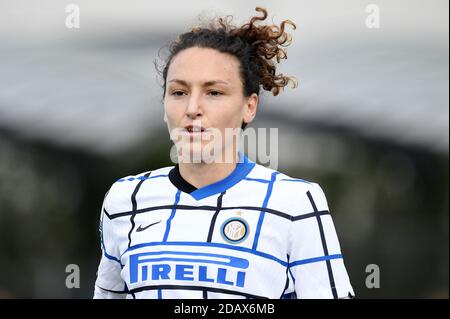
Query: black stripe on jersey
x=324, y=245
x=286, y=286
x=125, y=291
x=211, y=289
x=213, y=220
x=211, y=230
x=205, y=207
x=134, y=211
x=304, y=216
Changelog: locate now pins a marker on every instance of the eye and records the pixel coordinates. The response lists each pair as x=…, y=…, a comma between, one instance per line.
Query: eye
x=215, y=93
x=177, y=93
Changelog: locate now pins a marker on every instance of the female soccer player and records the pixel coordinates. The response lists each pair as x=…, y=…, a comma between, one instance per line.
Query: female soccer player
x=218, y=225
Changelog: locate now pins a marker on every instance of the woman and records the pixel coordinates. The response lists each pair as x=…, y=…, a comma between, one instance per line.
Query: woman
x=215, y=228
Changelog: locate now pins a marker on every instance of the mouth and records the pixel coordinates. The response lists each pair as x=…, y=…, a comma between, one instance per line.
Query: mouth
x=192, y=129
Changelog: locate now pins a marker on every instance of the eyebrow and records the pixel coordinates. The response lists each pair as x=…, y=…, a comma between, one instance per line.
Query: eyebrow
x=207, y=83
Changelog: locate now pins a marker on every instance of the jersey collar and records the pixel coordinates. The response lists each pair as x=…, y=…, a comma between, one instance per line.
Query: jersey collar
x=243, y=168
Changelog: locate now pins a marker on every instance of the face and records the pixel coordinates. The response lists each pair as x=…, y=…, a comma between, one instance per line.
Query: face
x=204, y=101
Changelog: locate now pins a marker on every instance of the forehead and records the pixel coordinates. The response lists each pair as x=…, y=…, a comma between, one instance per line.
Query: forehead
x=203, y=64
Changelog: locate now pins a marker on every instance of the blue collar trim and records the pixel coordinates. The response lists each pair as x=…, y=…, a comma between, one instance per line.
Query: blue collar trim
x=243, y=168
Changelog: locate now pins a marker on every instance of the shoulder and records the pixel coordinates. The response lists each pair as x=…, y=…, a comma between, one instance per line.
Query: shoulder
x=118, y=198
x=293, y=195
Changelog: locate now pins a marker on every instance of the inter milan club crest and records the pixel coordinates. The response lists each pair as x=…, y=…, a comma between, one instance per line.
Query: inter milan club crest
x=234, y=230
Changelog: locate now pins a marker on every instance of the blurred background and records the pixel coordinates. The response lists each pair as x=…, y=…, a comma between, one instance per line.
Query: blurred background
x=81, y=108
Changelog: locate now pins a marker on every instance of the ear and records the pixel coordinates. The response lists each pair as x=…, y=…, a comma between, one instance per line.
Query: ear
x=250, y=108
x=165, y=117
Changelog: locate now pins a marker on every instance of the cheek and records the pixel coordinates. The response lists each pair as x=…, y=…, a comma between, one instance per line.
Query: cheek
x=232, y=116
x=170, y=120
x=171, y=113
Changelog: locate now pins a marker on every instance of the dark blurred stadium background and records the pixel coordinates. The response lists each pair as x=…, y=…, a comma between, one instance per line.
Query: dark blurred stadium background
x=80, y=108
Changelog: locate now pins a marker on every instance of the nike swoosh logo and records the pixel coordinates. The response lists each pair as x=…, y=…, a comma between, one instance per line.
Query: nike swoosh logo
x=140, y=228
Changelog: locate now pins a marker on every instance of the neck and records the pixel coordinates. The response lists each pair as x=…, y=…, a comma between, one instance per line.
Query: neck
x=202, y=174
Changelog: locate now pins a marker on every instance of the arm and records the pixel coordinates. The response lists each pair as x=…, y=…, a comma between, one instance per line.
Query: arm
x=109, y=283
x=316, y=262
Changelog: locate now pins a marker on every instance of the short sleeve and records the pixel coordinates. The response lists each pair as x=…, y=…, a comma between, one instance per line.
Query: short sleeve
x=316, y=263
x=109, y=283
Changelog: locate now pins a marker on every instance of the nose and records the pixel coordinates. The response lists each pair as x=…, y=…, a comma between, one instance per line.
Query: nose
x=194, y=109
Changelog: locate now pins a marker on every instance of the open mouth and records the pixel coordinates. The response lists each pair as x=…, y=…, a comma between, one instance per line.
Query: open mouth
x=194, y=129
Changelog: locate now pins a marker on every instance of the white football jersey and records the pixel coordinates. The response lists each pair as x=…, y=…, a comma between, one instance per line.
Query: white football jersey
x=255, y=234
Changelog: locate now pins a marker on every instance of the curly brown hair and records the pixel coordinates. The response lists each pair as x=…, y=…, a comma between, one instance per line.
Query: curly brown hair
x=255, y=46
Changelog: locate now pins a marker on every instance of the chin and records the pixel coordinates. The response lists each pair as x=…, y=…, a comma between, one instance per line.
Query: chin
x=198, y=153
x=191, y=153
